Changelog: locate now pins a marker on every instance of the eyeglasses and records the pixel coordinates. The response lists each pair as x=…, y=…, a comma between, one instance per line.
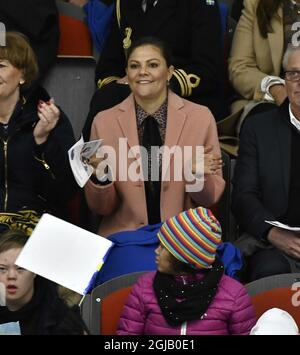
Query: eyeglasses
x=292, y=75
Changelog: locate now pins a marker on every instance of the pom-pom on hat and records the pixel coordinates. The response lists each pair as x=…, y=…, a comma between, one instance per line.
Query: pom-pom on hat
x=192, y=237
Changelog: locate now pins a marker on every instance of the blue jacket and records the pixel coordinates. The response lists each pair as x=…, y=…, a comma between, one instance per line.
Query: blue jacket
x=134, y=251
x=98, y=19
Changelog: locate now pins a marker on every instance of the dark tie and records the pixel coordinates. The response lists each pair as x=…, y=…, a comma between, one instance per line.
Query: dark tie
x=151, y=138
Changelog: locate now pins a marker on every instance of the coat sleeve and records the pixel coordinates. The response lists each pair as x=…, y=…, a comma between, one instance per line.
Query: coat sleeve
x=132, y=321
x=243, y=317
x=244, y=73
x=101, y=199
x=214, y=184
x=246, y=196
x=56, y=181
x=201, y=71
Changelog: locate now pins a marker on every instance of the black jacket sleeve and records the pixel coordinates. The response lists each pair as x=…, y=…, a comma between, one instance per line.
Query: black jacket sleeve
x=56, y=181
x=247, y=191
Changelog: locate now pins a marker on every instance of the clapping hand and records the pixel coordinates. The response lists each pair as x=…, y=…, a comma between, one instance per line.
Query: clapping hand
x=212, y=162
x=48, y=115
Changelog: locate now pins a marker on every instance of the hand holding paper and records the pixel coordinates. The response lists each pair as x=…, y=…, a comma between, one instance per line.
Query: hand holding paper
x=285, y=238
x=93, y=161
x=283, y=226
x=81, y=156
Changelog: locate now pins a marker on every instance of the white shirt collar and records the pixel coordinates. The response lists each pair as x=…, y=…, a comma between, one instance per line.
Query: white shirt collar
x=293, y=119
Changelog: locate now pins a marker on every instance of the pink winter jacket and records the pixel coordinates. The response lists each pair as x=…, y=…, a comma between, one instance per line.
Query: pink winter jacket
x=230, y=312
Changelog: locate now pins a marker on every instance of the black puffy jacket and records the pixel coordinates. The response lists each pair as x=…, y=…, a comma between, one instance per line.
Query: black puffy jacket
x=31, y=176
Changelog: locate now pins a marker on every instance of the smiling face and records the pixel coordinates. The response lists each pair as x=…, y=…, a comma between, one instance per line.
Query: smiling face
x=10, y=78
x=148, y=74
x=19, y=282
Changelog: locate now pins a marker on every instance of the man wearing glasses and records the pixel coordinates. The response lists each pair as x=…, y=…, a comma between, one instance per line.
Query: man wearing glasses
x=267, y=181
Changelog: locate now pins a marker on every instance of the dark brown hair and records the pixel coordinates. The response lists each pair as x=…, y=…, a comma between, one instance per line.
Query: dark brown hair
x=155, y=42
x=11, y=239
x=19, y=53
x=266, y=10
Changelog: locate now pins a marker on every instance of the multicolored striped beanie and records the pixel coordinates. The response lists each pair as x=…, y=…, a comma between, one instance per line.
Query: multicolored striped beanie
x=192, y=237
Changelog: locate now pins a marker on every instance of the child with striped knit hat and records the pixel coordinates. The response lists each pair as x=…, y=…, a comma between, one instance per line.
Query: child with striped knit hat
x=189, y=293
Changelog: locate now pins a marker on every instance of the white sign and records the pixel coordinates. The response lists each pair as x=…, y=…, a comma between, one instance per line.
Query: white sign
x=12, y=328
x=64, y=253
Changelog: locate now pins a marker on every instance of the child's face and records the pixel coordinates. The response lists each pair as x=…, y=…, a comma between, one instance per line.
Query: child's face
x=18, y=281
x=164, y=260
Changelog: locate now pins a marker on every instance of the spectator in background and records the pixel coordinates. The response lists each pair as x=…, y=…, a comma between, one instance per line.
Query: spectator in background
x=153, y=116
x=184, y=26
x=35, y=136
x=262, y=34
x=30, y=299
x=99, y=13
x=266, y=182
x=189, y=293
x=38, y=20
x=260, y=39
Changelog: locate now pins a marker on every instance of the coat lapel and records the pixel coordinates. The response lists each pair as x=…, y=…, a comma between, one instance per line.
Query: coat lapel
x=275, y=39
x=127, y=121
x=128, y=125
x=175, y=124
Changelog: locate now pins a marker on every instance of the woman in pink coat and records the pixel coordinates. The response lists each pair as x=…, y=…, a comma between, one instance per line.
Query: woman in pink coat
x=152, y=117
x=189, y=293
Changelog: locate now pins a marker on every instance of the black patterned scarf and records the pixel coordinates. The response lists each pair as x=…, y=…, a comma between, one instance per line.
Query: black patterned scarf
x=181, y=302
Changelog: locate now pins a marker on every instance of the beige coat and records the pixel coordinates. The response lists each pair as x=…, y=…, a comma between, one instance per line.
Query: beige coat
x=253, y=57
x=123, y=204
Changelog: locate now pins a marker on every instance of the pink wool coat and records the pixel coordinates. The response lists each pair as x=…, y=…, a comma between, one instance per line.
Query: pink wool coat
x=122, y=203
